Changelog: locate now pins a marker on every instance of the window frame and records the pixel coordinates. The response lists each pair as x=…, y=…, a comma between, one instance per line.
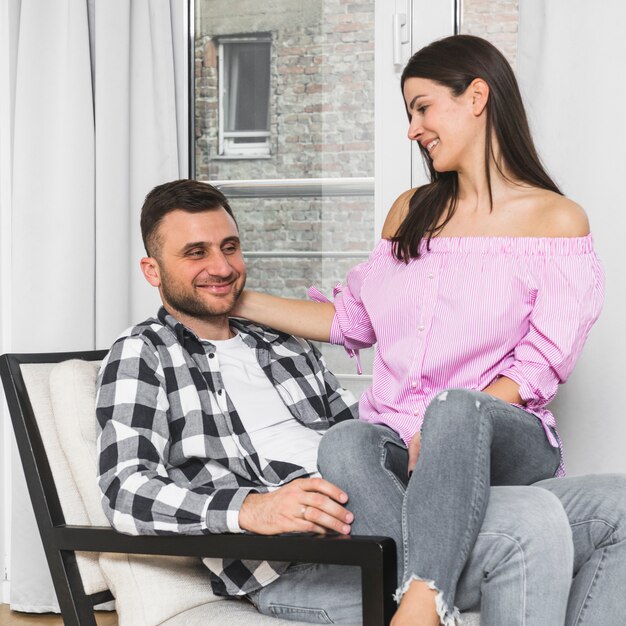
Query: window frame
x=227, y=148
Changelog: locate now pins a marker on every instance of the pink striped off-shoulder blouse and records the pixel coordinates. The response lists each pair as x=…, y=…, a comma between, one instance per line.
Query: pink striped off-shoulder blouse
x=466, y=312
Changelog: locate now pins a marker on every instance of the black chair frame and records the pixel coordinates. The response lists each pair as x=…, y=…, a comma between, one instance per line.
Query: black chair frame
x=376, y=556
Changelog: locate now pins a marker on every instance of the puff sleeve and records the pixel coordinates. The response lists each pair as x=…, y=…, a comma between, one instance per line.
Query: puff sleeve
x=568, y=291
x=352, y=326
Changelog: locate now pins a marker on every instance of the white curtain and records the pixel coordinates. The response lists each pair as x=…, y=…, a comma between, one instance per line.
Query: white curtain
x=52, y=228
x=135, y=93
x=87, y=150
x=571, y=65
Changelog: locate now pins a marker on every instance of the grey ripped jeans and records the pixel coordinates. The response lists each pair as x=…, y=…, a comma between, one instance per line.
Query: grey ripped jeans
x=469, y=442
x=437, y=519
x=519, y=571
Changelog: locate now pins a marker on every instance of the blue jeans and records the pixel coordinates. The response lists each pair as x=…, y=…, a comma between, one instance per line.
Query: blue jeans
x=469, y=441
x=519, y=564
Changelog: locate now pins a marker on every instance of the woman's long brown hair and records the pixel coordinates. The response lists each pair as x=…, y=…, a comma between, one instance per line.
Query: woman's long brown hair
x=455, y=62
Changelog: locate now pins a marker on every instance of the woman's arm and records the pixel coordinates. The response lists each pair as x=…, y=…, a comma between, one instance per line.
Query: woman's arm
x=568, y=301
x=311, y=320
x=505, y=389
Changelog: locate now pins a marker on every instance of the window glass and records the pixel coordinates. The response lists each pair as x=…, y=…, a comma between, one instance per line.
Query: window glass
x=310, y=66
x=246, y=85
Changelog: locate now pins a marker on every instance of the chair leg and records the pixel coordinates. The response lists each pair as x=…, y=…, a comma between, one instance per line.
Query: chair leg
x=378, y=584
x=76, y=606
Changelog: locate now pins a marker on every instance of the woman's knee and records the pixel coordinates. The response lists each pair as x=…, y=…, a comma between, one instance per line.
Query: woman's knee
x=457, y=409
x=345, y=446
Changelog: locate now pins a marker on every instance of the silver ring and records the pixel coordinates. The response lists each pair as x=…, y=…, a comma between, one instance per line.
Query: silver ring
x=303, y=512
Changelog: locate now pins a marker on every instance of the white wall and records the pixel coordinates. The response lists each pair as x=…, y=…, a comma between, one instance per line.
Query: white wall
x=571, y=63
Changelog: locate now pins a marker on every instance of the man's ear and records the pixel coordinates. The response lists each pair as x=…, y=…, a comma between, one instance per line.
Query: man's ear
x=479, y=92
x=151, y=272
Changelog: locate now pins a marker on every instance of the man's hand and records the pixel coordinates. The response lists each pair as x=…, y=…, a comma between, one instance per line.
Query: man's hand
x=414, y=451
x=305, y=505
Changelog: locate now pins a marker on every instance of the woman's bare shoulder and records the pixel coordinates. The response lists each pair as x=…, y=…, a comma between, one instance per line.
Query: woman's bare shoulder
x=558, y=216
x=397, y=213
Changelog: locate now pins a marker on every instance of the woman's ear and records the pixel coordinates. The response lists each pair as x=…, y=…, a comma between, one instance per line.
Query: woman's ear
x=479, y=92
x=151, y=272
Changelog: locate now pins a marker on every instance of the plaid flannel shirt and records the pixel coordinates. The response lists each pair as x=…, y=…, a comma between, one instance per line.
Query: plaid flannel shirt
x=174, y=457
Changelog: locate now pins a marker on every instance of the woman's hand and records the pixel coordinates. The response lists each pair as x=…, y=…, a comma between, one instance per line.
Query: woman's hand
x=414, y=450
x=505, y=389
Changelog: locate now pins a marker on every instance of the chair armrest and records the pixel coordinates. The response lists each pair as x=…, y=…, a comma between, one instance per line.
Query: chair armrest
x=336, y=549
x=376, y=556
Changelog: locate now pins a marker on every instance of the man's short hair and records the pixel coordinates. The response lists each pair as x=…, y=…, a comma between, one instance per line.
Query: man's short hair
x=187, y=195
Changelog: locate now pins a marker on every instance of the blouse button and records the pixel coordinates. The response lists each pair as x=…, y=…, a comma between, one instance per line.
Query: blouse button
x=413, y=384
x=420, y=328
x=211, y=355
x=431, y=275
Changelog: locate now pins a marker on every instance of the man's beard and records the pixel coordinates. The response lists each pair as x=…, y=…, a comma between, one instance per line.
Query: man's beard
x=189, y=303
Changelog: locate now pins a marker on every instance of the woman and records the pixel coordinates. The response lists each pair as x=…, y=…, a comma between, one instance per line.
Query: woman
x=479, y=298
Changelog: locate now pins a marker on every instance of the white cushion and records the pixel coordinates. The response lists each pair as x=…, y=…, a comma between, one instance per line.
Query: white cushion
x=148, y=589
x=72, y=390
x=36, y=378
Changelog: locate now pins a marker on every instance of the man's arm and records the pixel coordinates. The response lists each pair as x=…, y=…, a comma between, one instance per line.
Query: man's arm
x=139, y=495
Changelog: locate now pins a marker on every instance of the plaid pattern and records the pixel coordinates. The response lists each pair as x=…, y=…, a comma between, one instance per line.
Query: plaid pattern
x=173, y=454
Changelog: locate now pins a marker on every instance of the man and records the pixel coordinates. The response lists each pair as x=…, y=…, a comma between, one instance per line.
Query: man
x=210, y=424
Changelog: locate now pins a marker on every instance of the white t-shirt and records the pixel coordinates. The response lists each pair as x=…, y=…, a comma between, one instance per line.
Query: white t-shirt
x=275, y=433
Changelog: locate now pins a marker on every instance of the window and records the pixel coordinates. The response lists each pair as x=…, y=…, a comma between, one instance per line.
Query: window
x=244, y=96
